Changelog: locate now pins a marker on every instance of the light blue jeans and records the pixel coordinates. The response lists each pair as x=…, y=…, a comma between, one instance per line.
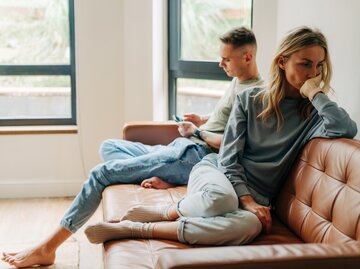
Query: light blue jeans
x=129, y=163
x=209, y=212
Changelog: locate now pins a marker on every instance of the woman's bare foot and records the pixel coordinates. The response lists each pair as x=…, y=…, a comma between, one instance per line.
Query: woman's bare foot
x=29, y=257
x=156, y=183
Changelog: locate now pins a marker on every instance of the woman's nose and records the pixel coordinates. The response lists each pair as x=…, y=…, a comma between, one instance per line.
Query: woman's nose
x=314, y=72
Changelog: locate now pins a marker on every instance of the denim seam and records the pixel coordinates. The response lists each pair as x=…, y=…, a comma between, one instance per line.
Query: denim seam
x=131, y=169
x=67, y=224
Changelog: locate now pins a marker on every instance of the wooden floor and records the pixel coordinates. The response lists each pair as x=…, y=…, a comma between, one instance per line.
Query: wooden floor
x=24, y=221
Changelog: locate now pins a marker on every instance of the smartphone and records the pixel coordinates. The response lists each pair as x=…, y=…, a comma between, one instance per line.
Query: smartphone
x=176, y=118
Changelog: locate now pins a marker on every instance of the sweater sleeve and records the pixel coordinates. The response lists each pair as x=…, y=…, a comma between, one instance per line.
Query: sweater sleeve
x=335, y=121
x=232, y=149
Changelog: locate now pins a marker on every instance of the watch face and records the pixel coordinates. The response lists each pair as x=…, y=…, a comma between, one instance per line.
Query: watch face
x=198, y=133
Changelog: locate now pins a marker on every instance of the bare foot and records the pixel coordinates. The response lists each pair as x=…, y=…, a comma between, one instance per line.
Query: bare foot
x=29, y=257
x=156, y=183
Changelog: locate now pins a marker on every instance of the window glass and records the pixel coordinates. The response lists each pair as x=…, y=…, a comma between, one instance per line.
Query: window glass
x=199, y=95
x=35, y=97
x=37, y=62
x=203, y=21
x=34, y=32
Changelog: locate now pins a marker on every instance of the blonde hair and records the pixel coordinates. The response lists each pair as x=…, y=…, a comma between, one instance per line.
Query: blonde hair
x=295, y=40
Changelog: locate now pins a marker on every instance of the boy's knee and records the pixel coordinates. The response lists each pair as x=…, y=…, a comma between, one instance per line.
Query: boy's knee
x=105, y=147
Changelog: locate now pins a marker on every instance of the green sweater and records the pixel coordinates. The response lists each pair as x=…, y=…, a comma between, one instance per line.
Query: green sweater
x=259, y=156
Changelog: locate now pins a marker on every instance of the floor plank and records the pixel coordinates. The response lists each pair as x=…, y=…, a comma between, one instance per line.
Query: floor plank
x=30, y=220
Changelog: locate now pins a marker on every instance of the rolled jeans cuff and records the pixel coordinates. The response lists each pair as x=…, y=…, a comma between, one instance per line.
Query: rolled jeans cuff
x=177, y=207
x=68, y=226
x=180, y=230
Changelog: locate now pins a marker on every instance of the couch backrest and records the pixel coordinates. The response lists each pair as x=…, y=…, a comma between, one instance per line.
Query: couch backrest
x=151, y=132
x=320, y=201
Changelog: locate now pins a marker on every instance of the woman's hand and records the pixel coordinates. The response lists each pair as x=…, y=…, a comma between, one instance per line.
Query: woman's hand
x=186, y=128
x=262, y=212
x=195, y=119
x=311, y=87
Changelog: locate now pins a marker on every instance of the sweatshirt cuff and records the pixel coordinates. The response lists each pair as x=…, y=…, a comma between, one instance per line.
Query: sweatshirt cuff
x=241, y=190
x=320, y=100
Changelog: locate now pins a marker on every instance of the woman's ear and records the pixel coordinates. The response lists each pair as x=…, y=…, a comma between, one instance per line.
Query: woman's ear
x=281, y=62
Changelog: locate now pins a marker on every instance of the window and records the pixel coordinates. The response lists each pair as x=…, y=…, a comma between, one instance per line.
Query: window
x=196, y=82
x=37, y=62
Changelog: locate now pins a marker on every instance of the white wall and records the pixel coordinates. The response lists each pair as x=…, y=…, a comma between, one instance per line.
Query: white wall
x=54, y=165
x=100, y=55
x=45, y=165
x=121, y=60
x=265, y=29
x=115, y=80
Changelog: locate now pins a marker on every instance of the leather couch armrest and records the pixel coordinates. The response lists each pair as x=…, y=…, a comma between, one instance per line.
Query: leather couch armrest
x=294, y=256
x=150, y=132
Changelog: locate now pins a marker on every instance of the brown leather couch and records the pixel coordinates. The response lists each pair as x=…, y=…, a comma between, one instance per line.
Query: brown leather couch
x=316, y=221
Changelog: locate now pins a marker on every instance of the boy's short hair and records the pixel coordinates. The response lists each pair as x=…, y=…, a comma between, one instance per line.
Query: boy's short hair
x=239, y=37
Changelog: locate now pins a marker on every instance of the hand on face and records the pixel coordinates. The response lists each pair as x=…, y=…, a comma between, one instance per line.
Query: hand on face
x=311, y=87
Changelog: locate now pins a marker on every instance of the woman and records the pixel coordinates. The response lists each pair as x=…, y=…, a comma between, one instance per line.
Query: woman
x=266, y=130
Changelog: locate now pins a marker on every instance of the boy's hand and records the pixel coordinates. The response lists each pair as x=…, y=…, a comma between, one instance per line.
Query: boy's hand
x=195, y=119
x=186, y=128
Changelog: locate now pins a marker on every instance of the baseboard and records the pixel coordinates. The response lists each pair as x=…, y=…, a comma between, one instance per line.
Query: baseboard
x=22, y=189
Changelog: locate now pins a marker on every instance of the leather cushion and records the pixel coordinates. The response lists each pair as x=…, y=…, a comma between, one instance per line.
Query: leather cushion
x=320, y=201
x=144, y=253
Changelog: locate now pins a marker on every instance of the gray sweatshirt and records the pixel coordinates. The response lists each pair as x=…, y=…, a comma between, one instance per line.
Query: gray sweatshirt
x=259, y=156
x=220, y=116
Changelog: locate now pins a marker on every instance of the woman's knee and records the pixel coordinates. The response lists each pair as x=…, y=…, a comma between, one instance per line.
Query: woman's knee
x=217, y=194
x=206, y=173
x=220, y=201
x=236, y=228
x=208, y=162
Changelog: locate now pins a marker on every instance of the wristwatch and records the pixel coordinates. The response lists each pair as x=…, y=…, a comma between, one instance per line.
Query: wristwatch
x=197, y=133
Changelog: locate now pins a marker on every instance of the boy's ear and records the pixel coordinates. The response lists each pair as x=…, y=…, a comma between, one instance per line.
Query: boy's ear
x=248, y=56
x=281, y=62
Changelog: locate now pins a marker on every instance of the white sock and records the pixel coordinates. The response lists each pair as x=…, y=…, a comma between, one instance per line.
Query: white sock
x=142, y=213
x=104, y=231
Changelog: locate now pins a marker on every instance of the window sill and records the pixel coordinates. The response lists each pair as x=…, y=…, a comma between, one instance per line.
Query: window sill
x=53, y=129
